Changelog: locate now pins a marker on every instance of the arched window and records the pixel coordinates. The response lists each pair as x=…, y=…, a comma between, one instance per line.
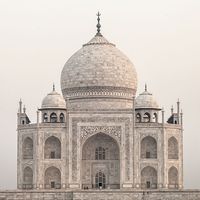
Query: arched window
x=172, y=148
x=62, y=118
x=45, y=117
x=52, y=149
x=53, y=118
x=52, y=178
x=100, y=153
x=138, y=117
x=27, y=148
x=146, y=117
x=149, y=178
x=100, y=180
x=155, y=117
x=28, y=178
x=148, y=147
x=173, y=177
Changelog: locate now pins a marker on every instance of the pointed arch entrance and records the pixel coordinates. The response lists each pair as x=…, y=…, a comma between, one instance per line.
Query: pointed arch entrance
x=52, y=148
x=28, y=178
x=52, y=178
x=100, y=162
x=173, y=177
x=149, y=178
x=173, y=148
x=28, y=148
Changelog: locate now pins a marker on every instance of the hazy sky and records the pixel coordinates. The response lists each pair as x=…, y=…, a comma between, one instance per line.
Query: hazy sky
x=161, y=37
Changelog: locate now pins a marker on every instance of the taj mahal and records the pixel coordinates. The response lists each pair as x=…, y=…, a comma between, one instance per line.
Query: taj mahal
x=100, y=139
x=98, y=133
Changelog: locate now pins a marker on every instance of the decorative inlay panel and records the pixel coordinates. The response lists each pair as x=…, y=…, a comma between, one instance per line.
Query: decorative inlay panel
x=86, y=131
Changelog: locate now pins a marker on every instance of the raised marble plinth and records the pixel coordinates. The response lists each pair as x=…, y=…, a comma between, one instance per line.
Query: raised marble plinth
x=100, y=195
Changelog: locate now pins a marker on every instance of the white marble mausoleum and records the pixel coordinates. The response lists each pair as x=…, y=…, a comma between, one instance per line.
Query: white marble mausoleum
x=100, y=133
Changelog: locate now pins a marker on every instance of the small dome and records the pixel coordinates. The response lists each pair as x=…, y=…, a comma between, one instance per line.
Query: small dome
x=53, y=100
x=96, y=66
x=146, y=100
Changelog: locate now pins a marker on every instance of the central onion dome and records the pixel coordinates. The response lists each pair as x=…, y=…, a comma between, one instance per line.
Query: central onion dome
x=98, y=69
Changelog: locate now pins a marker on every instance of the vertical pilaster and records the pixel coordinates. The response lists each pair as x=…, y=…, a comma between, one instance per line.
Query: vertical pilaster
x=164, y=152
x=67, y=150
x=129, y=151
x=133, y=143
x=63, y=161
x=35, y=154
x=72, y=169
x=40, y=159
x=181, y=162
x=19, y=160
x=136, y=149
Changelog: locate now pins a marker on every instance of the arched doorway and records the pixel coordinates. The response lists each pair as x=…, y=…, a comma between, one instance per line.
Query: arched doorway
x=52, y=148
x=100, y=162
x=52, y=178
x=146, y=117
x=28, y=148
x=148, y=148
x=172, y=148
x=149, y=178
x=28, y=178
x=62, y=118
x=53, y=118
x=173, y=177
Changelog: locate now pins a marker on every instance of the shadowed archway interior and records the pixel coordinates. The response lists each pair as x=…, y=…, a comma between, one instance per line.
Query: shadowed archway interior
x=100, y=162
x=149, y=178
x=52, y=178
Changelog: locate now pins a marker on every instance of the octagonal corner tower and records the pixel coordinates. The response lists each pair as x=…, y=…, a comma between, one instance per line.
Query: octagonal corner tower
x=99, y=76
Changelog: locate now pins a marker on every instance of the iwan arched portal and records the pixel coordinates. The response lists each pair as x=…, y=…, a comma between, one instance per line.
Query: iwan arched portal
x=100, y=163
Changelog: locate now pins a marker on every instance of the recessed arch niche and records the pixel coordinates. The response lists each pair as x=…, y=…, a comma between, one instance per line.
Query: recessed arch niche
x=101, y=155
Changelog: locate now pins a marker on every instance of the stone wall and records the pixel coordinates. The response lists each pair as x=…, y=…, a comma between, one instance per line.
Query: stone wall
x=100, y=195
x=67, y=141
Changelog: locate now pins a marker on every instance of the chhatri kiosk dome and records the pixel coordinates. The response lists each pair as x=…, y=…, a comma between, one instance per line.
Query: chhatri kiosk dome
x=53, y=100
x=99, y=135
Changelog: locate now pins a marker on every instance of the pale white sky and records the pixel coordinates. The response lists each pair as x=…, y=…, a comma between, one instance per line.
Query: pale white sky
x=161, y=37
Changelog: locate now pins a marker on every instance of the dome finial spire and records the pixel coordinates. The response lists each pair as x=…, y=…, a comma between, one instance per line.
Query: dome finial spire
x=145, y=87
x=98, y=25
